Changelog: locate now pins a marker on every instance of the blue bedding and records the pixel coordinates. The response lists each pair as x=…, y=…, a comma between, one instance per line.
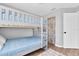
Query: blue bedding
x=14, y=46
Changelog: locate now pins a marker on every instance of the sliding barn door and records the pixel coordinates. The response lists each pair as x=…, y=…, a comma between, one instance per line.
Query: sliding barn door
x=71, y=30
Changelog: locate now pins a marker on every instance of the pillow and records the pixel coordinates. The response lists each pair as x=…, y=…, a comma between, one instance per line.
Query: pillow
x=2, y=41
x=1, y=45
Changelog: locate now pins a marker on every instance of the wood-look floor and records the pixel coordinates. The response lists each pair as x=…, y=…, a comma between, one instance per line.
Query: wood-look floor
x=67, y=52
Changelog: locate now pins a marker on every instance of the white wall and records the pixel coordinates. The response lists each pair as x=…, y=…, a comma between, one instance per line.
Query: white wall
x=59, y=28
x=15, y=32
x=59, y=23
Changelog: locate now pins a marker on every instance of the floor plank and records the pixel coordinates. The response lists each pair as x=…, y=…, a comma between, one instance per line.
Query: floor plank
x=35, y=53
x=67, y=52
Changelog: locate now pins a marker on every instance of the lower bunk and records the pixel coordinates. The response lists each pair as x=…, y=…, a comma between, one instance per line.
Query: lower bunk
x=20, y=46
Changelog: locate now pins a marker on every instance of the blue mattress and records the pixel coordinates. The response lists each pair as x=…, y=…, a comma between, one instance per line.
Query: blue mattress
x=14, y=46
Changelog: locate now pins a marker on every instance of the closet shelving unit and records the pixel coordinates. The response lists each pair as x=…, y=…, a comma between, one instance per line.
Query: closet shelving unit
x=11, y=18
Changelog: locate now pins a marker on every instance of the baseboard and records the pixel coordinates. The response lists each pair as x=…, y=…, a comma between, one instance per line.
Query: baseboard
x=58, y=45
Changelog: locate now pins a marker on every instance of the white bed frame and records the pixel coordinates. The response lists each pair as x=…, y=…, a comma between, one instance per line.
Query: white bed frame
x=44, y=41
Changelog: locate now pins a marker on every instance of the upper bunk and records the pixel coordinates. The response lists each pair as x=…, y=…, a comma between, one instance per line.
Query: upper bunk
x=10, y=17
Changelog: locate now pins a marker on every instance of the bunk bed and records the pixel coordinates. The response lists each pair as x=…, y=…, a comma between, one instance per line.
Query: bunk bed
x=21, y=45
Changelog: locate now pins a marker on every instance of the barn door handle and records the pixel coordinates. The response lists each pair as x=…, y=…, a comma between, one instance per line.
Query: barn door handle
x=64, y=32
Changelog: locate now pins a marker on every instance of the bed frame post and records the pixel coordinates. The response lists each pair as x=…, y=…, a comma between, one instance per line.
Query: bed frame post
x=44, y=35
x=41, y=32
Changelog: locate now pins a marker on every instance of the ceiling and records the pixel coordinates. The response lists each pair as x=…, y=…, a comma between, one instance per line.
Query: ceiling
x=41, y=9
